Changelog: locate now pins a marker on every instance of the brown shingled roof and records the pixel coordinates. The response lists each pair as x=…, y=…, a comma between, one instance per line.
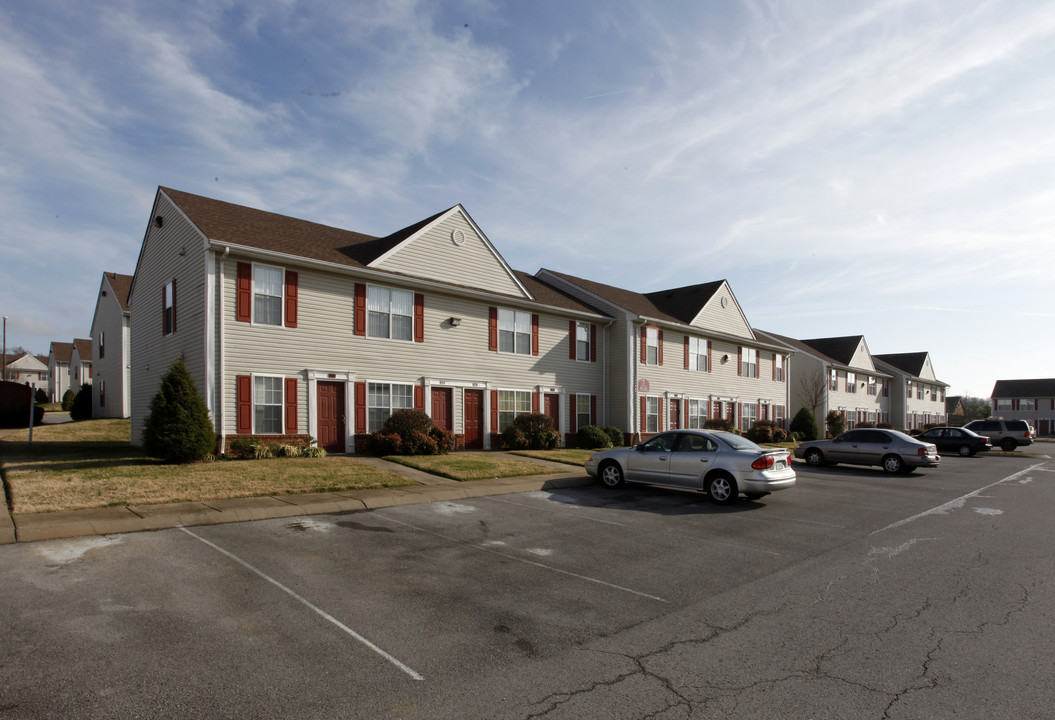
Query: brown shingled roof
x=84, y=349
x=62, y=351
x=910, y=363
x=841, y=349
x=122, y=285
x=661, y=305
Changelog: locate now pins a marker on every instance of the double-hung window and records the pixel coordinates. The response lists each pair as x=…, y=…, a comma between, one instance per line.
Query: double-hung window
x=510, y=404
x=748, y=416
x=382, y=399
x=851, y=382
x=872, y=389
x=652, y=346
x=698, y=354
x=514, y=332
x=267, y=294
x=1003, y=404
x=168, y=319
x=1027, y=404
x=582, y=341
x=749, y=362
x=652, y=414
x=833, y=383
x=390, y=313
x=778, y=367
x=267, y=405
x=583, y=416
x=697, y=414
x=778, y=415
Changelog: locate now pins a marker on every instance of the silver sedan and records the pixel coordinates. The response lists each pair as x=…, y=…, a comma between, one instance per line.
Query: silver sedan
x=720, y=463
x=892, y=450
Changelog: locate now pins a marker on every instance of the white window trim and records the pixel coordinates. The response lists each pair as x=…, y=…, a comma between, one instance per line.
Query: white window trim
x=588, y=414
x=644, y=420
x=651, y=342
x=281, y=298
x=516, y=413
x=499, y=331
x=700, y=352
x=282, y=403
x=390, y=383
x=579, y=326
x=388, y=338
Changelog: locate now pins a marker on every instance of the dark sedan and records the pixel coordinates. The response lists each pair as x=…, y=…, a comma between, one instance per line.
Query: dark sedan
x=958, y=440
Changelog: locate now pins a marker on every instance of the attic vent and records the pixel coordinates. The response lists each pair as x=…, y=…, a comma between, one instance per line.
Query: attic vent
x=159, y=221
x=457, y=237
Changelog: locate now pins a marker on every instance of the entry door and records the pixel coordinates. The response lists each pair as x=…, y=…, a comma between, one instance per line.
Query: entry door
x=551, y=406
x=675, y=414
x=442, y=408
x=331, y=417
x=473, y=412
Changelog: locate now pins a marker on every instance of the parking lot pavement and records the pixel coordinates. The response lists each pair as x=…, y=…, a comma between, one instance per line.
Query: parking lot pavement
x=855, y=594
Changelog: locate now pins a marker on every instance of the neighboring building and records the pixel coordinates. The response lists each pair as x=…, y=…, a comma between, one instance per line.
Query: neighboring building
x=27, y=369
x=955, y=411
x=917, y=397
x=59, y=370
x=676, y=358
x=837, y=374
x=1029, y=400
x=293, y=330
x=80, y=364
x=111, y=391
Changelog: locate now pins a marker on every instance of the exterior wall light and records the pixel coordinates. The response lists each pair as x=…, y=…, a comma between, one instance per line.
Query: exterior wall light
x=455, y=321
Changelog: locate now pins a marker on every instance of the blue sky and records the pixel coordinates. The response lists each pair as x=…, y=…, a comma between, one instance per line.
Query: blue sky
x=881, y=168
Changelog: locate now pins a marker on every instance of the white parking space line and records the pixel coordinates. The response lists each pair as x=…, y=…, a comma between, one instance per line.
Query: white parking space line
x=957, y=503
x=523, y=560
x=314, y=608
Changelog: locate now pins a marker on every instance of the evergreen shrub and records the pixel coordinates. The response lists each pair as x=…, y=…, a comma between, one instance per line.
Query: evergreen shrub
x=178, y=428
x=591, y=437
x=82, y=404
x=805, y=425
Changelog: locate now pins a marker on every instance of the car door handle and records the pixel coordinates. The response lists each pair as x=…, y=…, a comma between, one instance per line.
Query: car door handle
x=664, y=458
x=705, y=460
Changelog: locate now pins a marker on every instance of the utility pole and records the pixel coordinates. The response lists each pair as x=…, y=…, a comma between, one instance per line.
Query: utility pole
x=3, y=375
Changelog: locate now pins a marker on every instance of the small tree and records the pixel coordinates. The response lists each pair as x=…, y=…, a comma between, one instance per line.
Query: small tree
x=178, y=429
x=40, y=397
x=836, y=423
x=81, y=409
x=67, y=400
x=804, y=424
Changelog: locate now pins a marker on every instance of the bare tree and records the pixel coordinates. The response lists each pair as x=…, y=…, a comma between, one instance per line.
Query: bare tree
x=813, y=388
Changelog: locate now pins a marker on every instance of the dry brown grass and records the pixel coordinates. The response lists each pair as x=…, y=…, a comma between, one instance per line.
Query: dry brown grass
x=471, y=465
x=91, y=464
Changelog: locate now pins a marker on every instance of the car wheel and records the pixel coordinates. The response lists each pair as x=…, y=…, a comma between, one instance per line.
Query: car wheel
x=722, y=489
x=814, y=457
x=611, y=475
x=966, y=451
x=1008, y=444
x=893, y=464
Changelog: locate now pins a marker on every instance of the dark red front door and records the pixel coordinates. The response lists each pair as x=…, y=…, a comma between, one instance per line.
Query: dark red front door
x=675, y=414
x=442, y=410
x=474, y=408
x=551, y=406
x=331, y=417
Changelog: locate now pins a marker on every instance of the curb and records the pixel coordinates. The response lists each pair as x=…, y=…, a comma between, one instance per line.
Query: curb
x=137, y=518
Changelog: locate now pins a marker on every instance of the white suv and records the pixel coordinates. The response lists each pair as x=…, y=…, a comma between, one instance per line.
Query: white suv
x=1006, y=434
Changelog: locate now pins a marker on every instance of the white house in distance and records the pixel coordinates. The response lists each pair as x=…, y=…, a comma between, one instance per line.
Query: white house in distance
x=59, y=370
x=27, y=369
x=1031, y=400
x=111, y=391
x=837, y=374
x=917, y=397
x=80, y=364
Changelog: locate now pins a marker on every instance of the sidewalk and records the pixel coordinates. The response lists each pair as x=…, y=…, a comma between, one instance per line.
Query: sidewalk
x=135, y=518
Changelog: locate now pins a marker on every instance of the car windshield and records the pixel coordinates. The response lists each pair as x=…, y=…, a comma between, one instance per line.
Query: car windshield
x=738, y=443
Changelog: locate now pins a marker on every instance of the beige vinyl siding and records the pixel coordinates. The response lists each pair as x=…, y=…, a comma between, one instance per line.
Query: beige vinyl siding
x=324, y=342
x=433, y=254
x=862, y=358
x=152, y=352
x=111, y=324
x=728, y=320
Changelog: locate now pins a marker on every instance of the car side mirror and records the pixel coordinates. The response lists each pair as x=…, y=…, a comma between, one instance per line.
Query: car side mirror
x=639, y=447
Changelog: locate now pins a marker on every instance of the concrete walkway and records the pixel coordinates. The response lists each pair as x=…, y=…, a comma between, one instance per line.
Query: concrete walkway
x=134, y=518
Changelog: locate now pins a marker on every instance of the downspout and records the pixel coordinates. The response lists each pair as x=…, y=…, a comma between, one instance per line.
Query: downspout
x=222, y=360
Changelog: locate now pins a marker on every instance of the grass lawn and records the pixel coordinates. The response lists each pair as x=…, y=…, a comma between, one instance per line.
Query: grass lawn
x=471, y=465
x=569, y=456
x=92, y=464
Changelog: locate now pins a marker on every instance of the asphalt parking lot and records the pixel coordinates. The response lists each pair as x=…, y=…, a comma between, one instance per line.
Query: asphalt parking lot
x=853, y=595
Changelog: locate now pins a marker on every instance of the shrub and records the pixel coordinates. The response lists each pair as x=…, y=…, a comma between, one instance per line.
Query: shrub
x=291, y=451
x=405, y=421
x=265, y=451
x=382, y=443
x=40, y=397
x=615, y=436
x=760, y=432
x=719, y=424
x=545, y=440
x=67, y=400
x=835, y=422
x=244, y=448
x=314, y=451
x=513, y=438
x=410, y=432
x=444, y=440
x=178, y=428
x=796, y=436
x=884, y=426
x=82, y=404
x=591, y=437
x=805, y=425
x=866, y=425
x=420, y=443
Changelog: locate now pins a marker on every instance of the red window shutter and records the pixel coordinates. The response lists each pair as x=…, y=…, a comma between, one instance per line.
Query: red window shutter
x=494, y=411
x=164, y=325
x=419, y=318
x=419, y=397
x=243, y=404
x=644, y=345
x=534, y=334
x=659, y=341
x=291, y=298
x=685, y=414
x=534, y=402
x=360, y=312
x=291, y=406
x=572, y=338
x=492, y=329
x=659, y=413
x=244, y=293
x=593, y=343
x=686, y=352
x=644, y=414
x=593, y=409
x=360, y=408
x=774, y=366
x=740, y=361
x=1014, y=404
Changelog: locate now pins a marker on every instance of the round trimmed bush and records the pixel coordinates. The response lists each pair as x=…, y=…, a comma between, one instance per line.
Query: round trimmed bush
x=82, y=404
x=615, y=435
x=805, y=425
x=591, y=437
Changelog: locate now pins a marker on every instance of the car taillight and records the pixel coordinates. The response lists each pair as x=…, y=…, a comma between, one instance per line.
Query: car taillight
x=922, y=451
x=763, y=463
